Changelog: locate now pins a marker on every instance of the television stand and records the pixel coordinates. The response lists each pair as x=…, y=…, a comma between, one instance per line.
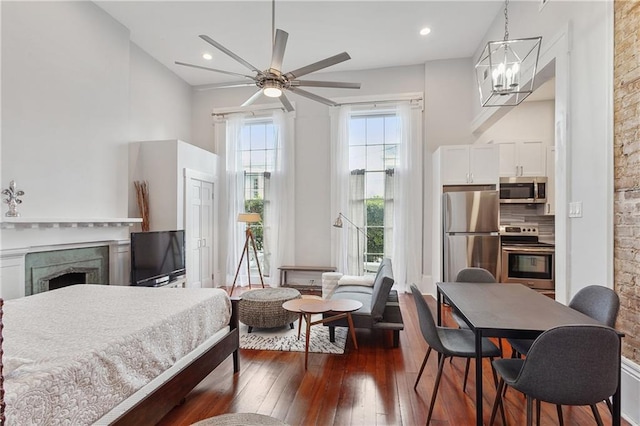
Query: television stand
x=179, y=283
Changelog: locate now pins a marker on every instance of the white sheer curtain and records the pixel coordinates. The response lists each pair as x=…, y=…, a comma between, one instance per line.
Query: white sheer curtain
x=389, y=197
x=280, y=208
x=407, y=218
x=340, y=184
x=356, y=214
x=235, y=200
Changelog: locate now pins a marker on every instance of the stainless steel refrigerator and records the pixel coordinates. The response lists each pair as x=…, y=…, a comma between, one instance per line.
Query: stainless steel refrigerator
x=471, y=237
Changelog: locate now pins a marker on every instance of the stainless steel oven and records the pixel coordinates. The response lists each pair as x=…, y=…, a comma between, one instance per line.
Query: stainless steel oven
x=526, y=260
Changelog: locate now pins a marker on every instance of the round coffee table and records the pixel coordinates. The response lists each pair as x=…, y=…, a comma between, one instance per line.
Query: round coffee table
x=305, y=307
x=262, y=308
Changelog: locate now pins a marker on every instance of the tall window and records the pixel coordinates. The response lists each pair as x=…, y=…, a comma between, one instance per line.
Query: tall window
x=258, y=151
x=373, y=156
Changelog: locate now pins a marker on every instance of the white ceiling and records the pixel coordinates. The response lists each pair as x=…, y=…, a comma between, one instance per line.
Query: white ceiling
x=376, y=34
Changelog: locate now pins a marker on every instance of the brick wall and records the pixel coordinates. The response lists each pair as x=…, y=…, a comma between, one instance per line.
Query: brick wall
x=627, y=171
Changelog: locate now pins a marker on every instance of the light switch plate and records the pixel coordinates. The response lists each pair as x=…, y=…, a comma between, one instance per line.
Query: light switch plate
x=575, y=209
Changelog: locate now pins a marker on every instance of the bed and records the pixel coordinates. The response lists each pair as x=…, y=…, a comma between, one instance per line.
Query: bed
x=94, y=354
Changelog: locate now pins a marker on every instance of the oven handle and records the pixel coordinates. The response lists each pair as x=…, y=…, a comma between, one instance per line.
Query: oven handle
x=542, y=250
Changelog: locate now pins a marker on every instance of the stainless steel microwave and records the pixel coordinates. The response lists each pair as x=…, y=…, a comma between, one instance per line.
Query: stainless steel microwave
x=523, y=190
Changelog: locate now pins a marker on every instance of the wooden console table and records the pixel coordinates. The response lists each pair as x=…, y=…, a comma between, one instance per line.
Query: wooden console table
x=285, y=269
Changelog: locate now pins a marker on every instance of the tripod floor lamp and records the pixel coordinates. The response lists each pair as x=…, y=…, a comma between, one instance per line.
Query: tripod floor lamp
x=248, y=218
x=338, y=224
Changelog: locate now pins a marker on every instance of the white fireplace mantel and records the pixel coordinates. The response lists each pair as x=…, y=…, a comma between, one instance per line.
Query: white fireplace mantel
x=31, y=222
x=20, y=236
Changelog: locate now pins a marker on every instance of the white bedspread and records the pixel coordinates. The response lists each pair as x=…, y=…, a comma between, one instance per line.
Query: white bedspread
x=70, y=355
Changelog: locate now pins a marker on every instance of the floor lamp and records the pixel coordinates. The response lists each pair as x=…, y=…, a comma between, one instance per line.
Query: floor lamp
x=338, y=224
x=248, y=218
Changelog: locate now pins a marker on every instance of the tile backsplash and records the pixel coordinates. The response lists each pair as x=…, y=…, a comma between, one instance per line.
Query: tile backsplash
x=531, y=213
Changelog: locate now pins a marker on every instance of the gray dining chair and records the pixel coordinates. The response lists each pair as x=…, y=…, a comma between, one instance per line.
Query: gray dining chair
x=596, y=301
x=448, y=342
x=471, y=275
x=566, y=365
x=477, y=276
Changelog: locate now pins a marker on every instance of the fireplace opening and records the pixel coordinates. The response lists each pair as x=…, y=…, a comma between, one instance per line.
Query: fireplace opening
x=51, y=270
x=67, y=280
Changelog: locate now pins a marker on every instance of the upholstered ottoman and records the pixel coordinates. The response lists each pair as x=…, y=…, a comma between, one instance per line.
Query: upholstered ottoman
x=262, y=308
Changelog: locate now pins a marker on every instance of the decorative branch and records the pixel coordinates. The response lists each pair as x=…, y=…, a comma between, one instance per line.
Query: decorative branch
x=142, y=195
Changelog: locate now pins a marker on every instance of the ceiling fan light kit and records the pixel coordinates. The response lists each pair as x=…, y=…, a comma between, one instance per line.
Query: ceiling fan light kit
x=272, y=82
x=506, y=69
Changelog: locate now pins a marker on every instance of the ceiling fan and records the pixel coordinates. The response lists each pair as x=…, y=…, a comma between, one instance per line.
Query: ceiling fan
x=272, y=82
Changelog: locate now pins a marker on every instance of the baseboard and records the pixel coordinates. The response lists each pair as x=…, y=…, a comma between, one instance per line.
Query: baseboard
x=630, y=385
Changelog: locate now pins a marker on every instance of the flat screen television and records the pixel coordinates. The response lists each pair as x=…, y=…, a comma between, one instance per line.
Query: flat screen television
x=157, y=258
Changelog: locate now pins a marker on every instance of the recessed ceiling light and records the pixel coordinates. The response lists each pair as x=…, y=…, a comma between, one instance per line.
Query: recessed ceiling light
x=207, y=56
x=425, y=31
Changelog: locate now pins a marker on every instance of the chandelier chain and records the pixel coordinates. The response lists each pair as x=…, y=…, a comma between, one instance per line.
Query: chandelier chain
x=506, y=21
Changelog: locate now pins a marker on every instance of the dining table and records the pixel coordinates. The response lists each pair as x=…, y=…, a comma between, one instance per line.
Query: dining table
x=510, y=311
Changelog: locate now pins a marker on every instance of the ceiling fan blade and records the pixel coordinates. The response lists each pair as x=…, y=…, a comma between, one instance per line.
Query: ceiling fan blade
x=225, y=85
x=285, y=102
x=213, y=69
x=336, y=84
x=230, y=53
x=252, y=99
x=340, y=57
x=312, y=96
x=279, y=44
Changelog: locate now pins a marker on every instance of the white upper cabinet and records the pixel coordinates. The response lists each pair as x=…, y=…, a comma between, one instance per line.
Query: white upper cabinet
x=522, y=158
x=469, y=164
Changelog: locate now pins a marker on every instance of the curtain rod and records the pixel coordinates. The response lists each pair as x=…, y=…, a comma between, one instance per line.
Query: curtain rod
x=253, y=112
x=384, y=101
x=374, y=103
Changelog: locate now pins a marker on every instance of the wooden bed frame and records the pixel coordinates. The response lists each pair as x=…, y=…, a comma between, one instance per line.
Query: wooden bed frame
x=158, y=403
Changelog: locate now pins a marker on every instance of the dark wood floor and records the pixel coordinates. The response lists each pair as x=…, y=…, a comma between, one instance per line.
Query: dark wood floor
x=369, y=386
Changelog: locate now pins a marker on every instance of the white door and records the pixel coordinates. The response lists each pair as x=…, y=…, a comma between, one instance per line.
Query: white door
x=199, y=232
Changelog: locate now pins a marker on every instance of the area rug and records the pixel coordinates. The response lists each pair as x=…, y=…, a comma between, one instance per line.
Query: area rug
x=286, y=339
x=240, y=419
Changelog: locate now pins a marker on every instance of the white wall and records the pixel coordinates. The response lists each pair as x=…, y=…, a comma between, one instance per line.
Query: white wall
x=529, y=121
x=160, y=101
x=65, y=105
x=76, y=91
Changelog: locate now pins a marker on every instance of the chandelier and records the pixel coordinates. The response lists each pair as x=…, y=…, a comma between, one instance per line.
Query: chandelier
x=506, y=69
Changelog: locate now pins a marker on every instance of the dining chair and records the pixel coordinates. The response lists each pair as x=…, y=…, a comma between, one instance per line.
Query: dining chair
x=471, y=275
x=566, y=365
x=448, y=342
x=596, y=301
x=477, y=276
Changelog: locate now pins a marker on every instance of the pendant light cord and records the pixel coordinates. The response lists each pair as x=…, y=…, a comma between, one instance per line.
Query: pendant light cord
x=506, y=21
